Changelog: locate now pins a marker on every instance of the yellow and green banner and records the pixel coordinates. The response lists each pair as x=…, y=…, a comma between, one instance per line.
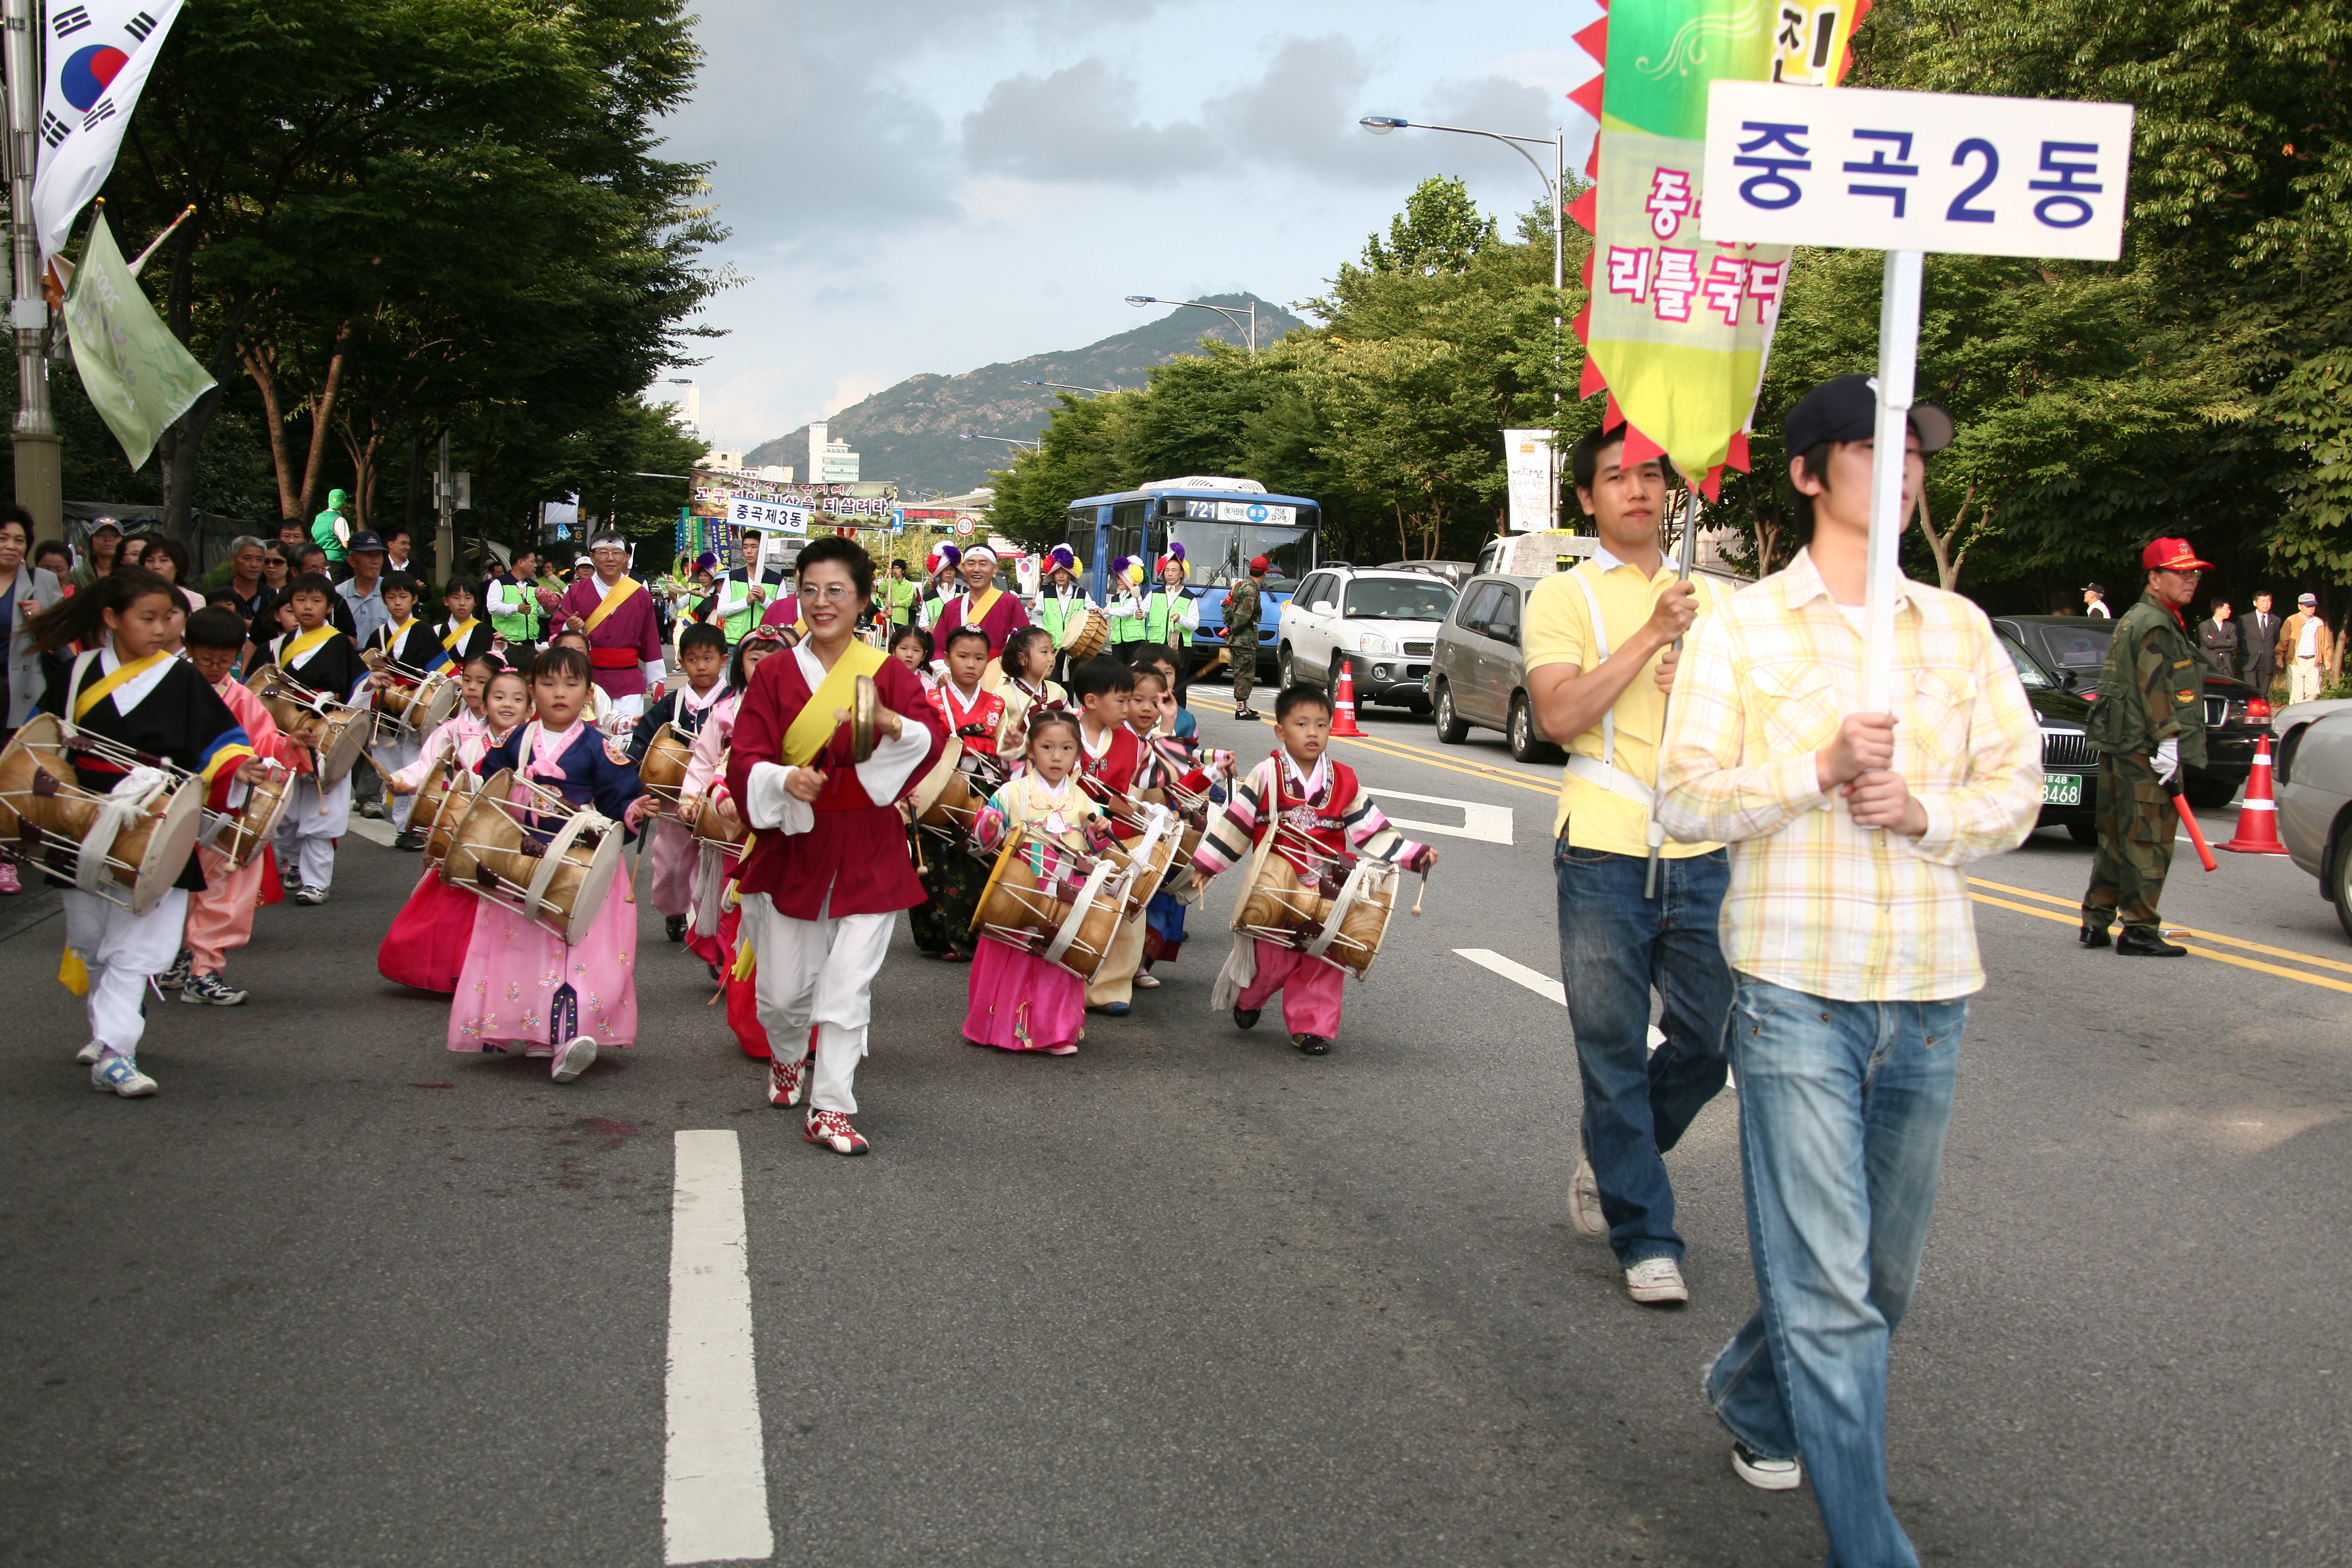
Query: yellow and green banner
x=1677, y=328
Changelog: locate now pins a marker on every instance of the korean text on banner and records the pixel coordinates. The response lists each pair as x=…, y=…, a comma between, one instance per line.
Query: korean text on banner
x=1529, y=463
x=138, y=376
x=99, y=53
x=1917, y=171
x=1678, y=328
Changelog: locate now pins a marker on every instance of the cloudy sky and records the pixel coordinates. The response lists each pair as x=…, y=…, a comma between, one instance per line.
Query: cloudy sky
x=920, y=185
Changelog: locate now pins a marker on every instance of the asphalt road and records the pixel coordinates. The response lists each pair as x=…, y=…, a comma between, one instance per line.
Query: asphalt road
x=339, y=1297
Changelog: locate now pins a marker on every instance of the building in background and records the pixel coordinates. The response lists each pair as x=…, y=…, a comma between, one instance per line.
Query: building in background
x=840, y=464
x=775, y=473
x=682, y=395
x=719, y=458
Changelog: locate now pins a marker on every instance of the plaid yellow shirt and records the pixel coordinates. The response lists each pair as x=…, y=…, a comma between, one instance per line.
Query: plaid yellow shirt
x=1816, y=903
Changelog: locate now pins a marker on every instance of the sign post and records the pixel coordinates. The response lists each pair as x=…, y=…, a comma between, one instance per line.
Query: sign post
x=1907, y=173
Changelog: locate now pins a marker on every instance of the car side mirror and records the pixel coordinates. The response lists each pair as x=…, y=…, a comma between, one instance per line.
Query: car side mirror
x=1322, y=606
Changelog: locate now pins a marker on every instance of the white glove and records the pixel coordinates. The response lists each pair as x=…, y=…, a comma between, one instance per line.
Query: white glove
x=2167, y=759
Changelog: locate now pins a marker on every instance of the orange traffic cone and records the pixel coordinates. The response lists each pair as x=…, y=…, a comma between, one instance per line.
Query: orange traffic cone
x=1343, y=705
x=2258, y=818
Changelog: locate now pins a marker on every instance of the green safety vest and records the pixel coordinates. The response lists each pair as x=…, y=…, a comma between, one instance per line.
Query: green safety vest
x=1053, y=616
x=1126, y=630
x=898, y=599
x=1156, y=616
x=521, y=628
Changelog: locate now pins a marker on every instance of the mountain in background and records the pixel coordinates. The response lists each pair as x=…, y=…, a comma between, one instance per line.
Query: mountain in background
x=910, y=432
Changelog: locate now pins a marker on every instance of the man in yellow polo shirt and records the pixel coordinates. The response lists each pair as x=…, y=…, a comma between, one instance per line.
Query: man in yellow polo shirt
x=1599, y=645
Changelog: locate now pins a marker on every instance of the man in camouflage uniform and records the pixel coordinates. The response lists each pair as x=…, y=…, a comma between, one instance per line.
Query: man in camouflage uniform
x=1243, y=609
x=2148, y=723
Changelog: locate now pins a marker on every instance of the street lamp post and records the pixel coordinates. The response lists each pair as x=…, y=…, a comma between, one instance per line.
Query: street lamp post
x=1241, y=323
x=1555, y=188
x=1025, y=445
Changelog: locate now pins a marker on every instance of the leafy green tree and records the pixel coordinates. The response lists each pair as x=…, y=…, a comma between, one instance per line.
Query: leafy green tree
x=1440, y=230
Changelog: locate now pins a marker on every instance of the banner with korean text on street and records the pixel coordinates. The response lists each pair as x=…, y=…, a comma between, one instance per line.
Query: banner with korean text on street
x=1677, y=328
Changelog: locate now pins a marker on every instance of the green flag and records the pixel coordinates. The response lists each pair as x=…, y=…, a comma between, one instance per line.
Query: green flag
x=137, y=374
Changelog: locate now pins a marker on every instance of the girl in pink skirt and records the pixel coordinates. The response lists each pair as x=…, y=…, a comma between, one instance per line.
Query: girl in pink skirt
x=1019, y=1001
x=523, y=988
x=425, y=947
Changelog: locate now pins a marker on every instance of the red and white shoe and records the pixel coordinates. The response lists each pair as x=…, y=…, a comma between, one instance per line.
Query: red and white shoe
x=8, y=883
x=832, y=1130
x=788, y=1080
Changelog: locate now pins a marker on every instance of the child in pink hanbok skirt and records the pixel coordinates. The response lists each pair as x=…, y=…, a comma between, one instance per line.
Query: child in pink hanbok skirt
x=523, y=988
x=425, y=947
x=715, y=920
x=1019, y=1001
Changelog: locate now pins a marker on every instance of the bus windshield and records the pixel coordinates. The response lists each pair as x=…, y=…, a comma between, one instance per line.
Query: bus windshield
x=1217, y=554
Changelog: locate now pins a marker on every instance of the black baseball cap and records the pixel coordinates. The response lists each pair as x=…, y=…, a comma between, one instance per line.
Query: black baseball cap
x=364, y=540
x=1846, y=409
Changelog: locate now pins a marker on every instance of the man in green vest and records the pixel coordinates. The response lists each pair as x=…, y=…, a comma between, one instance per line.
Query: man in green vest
x=1171, y=616
x=1123, y=603
x=896, y=600
x=330, y=529
x=745, y=592
x=2147, y=724
x=513, y=601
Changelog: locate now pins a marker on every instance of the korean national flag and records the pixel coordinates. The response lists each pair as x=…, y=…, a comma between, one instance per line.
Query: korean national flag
x=99, y=52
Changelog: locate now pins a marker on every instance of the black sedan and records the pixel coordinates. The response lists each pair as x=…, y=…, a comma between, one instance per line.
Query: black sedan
x=2071, y=649
x=2070, y=769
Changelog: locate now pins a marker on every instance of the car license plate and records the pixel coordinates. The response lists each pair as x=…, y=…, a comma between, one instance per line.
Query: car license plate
x=2061, y=789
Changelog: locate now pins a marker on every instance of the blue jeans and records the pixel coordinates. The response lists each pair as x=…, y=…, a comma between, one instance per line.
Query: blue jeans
x=1842, y=1108
x=1615, y=945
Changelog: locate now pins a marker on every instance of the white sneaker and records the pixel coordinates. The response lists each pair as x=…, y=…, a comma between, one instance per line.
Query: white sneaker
x=1584, y=1204
x=88, y=1055
x=1146, y=981
x=574, y=1059
x=1656, y=1281
x=118, y=1075
x=1766, y=1474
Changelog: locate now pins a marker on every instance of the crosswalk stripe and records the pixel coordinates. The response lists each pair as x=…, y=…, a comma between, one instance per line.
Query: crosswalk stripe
x=715, y=1473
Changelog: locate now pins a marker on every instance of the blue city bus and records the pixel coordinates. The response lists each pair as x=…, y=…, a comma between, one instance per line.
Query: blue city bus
x=1222, y=524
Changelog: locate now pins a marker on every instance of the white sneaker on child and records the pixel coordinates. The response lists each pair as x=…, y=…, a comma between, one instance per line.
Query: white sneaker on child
x=574, y=1059
x=118, y=1075
x=88, y=1055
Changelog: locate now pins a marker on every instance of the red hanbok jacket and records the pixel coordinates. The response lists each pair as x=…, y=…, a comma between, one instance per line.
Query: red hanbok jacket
x=857, y=850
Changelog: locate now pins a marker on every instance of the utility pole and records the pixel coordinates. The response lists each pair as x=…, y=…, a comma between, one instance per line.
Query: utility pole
x=445, y=533
x=39, y=487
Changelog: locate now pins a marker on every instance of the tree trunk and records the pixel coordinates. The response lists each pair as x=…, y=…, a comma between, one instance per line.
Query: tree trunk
x=262, y=367
x=321, y=417
x=1948, y=561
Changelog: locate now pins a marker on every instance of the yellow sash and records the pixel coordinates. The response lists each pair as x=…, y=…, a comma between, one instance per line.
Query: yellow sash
x=614, y=597
x=815, y=727
x=105, y=689
x=392, y=634
x=976, y=610
x=458, y=635
x=300, y=644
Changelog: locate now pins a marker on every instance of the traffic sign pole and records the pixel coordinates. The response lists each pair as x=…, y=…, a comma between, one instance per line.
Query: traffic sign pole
x=1898, y=363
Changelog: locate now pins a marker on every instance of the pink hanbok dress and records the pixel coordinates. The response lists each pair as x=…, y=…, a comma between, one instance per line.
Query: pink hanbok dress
x=1019, y=1001
x=425, y=947
x=523, y=989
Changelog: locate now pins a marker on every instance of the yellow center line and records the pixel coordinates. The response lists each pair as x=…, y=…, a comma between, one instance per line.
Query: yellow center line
x=2287, y=953
x=2229, y=958
x=1385, y=749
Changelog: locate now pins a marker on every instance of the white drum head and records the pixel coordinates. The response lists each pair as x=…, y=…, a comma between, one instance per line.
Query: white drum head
x=169, y=846
x=935, y=782
x=344, y=753
x=596, y=884
x=440, y=701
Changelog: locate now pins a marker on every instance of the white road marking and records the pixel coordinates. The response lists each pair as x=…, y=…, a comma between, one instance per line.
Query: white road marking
x=1486, y=824
x=715, y=1475
x=1535, y=980
x=374, y=828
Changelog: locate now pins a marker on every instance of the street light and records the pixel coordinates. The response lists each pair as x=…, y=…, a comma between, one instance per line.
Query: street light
x=1248, y=324
x=1066, y=386
x=968, y=436
x=1555, y=186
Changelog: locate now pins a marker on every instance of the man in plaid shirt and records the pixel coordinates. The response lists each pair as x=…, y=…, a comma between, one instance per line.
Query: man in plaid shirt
x=1848, y=933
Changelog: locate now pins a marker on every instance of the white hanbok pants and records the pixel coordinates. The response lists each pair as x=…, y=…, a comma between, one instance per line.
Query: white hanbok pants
x=306, y=835
x=390, y=757
x=120, y=950
x=817, y=972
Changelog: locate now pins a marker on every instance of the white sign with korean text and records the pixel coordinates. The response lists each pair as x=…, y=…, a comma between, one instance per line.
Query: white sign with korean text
x=1530, y=470
x=1916, y=171
x=766, y=517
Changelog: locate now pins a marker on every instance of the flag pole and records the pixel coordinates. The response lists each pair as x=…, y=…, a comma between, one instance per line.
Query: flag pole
x=40, y=488
x=1898, y=360
x=1682, y=574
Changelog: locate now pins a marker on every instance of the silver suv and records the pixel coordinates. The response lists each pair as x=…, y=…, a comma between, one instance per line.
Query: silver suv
x=1478, y=674
x=1381, y=625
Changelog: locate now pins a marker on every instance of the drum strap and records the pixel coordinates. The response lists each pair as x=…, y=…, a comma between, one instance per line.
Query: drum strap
x=1350, y=896
x=1068, y=932
x=126, y=800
